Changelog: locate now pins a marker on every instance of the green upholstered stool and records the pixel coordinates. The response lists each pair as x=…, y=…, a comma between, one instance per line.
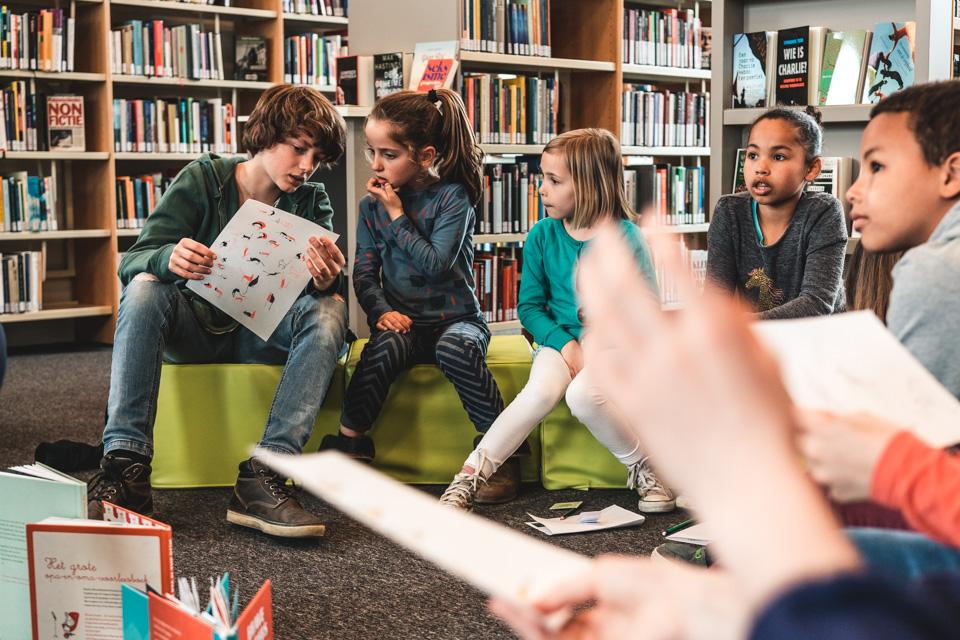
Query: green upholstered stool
x=209, y=415
x=423, y=434
x=572, y=457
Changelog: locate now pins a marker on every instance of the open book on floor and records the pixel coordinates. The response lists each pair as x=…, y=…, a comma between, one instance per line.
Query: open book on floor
x=494, y=559
x=30, y=493
x=850, y=362
x=77, y=568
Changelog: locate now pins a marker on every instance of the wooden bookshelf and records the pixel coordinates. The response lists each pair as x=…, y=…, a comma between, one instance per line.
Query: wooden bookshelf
x=70, y=234
x=67, y=313
x=327, y=23
x=676, y=74
x=494, y=238
x=679, y=152
x=843, y=123
x=61, y=76
x=186, y=82
x=500, y=62
x=198, y=9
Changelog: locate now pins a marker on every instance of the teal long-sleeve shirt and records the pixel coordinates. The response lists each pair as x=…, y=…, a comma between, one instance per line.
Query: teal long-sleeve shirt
x=548, y=306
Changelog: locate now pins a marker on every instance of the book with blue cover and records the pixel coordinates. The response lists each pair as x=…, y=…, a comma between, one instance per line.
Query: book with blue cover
x=31, y=493
x=750, y=70
x=890, y=66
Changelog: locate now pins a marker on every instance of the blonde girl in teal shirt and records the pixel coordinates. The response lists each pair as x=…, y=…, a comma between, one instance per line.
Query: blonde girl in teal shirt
x=582, y=188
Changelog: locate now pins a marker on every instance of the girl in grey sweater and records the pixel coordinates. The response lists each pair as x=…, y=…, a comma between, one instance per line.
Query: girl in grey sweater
x=775, y=244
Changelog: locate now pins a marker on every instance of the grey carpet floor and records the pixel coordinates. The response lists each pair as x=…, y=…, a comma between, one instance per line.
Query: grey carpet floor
x=350, y=584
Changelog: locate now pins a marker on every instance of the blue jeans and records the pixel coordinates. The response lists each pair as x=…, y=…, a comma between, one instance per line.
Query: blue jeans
x=156, y=322
x=903, y=555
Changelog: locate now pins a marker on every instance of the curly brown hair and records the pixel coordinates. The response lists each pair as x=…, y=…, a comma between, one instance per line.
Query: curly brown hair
x=286, y=111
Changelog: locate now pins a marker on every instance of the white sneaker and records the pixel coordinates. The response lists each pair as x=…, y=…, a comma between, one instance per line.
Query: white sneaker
x=462, y=491
x=654, y=497
x=683, y=502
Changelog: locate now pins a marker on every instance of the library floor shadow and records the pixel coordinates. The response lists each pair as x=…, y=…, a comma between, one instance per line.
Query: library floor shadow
x=350, y=584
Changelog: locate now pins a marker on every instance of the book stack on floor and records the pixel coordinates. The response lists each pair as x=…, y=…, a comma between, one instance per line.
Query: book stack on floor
x=822, y=66
x=497, y=276
x=673, y=195
x=515, y=109
x=511, y=197
x=137, y=197
x=665, y=38
x=29, y=203
x=312, y=59
x=21, y=278
x=174, y=125
x=148, y=48
x=37, y=40
x=514, y=27
x=336, y=8
x=654, y=117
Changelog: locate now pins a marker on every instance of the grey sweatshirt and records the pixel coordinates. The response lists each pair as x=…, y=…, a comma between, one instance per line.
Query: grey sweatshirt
x=924, y=311
x=800, y=275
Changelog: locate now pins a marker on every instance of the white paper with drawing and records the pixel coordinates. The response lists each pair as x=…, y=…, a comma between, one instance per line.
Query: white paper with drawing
x=260, y=268
x=493, y=558
x=850, y=362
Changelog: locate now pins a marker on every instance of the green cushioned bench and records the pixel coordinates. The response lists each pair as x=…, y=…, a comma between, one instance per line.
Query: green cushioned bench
x=208, y=417
x=572, y=458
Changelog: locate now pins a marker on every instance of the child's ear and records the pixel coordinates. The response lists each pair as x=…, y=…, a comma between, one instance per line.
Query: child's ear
x=814, y=169
x=427, y=156
x=950, y=177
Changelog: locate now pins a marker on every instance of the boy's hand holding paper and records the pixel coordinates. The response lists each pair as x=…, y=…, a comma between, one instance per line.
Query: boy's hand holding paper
x=264, y=259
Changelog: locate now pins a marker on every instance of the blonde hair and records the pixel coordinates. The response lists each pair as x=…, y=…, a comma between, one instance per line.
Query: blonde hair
x=596, y=167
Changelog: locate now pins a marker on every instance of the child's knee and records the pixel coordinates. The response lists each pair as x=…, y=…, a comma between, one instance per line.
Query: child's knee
x=582, y=397
x=146, y=294
x=451, y=350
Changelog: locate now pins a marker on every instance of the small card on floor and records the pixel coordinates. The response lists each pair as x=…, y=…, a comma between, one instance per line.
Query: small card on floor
x=610, y=518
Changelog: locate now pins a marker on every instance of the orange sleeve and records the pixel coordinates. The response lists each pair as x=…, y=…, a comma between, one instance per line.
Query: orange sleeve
x=923, y=483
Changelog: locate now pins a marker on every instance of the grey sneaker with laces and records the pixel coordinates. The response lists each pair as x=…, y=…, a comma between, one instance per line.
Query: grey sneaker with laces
x=462, y=491
x=654, y=497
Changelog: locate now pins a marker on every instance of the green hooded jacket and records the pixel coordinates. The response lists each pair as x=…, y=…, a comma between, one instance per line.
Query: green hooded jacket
x=199, y=203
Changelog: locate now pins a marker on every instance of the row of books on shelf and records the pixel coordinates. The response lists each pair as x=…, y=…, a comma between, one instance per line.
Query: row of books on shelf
x=693, y=260
x=497, y=277
x=312, y=59
x=29, y=203
x=67, y=576
x=37, y=40
x=674, y=195
x=34, y=121
x=821, y=66
x=337, y=8
x=174, y=125
x=137, y=197
x=362, y=80
x=666, y=38
x=517, y=109
x=148, y=48
x=515, y=27
x=655, y=117
x=511, y=198
x=21, y=275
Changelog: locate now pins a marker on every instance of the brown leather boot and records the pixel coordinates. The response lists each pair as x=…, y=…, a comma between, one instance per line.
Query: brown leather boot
x=503, y=485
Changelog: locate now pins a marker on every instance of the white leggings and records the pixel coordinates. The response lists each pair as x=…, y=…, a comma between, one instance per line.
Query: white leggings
x=549, y=382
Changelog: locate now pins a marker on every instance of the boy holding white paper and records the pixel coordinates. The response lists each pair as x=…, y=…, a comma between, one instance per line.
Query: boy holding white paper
x=290, y=134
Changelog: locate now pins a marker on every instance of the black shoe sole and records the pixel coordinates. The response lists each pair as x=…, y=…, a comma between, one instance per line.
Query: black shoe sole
x=274, y=529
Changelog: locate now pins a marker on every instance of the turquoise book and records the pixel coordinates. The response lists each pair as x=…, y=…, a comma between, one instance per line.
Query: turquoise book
x=30, y=493
x=890, y=66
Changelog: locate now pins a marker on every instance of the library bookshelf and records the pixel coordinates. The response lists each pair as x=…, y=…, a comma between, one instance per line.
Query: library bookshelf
x=587, y=55
x=81, y=289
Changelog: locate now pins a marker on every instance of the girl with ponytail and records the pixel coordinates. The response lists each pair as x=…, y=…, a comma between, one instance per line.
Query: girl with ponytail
x=413, y=272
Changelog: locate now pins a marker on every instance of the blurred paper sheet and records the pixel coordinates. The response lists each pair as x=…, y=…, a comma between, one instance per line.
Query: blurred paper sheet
x=491, y=557
x=850, y=362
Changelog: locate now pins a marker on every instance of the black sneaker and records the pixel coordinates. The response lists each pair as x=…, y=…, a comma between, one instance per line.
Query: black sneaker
x=360, y=448
x=262, y=500
x=694, y=554
x=123, y=481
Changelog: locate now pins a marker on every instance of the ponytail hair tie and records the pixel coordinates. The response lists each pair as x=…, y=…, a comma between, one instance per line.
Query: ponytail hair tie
x=432, y=95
